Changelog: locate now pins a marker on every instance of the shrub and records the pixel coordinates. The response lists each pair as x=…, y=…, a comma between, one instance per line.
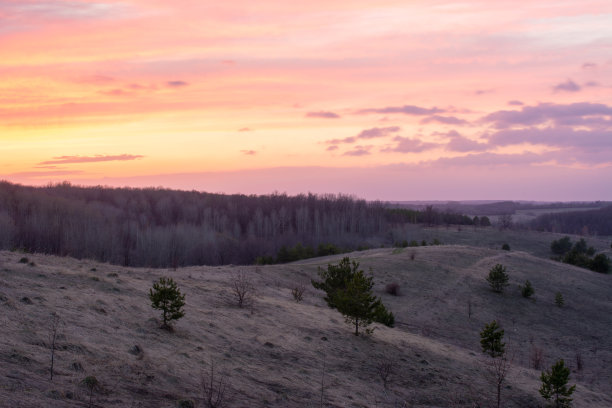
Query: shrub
x=601, y=263
x=24, y=260
x=413, y=243
x=506, y=247
x=498, y=278
x=393, y=288
x=166, y=296
x=186, y=403
x=559, y=299
x=527, y=291
x=213, y=388
x=298, y=293
x=554, y=385
x=561, y=246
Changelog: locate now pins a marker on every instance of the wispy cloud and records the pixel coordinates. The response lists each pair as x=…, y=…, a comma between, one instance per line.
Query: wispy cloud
x=445, y=120
x=245, y=129
x=545, y=112
x=515, y=103
x=176, y=84
x=409, y=145
x=248, y=152
x=371, y=133
x=567, y=86
x=323, y=114
x=460, y=143
x=359, y=151
x=90, y=159
x=406, y=110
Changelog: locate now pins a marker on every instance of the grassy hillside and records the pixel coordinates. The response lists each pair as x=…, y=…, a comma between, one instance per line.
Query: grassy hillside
x=278, y=353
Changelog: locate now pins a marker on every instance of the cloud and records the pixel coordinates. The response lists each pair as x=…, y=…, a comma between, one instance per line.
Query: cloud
x=371, y=133
x=566, y=137
x=322, y=114
x=568, y=86
x=248, y=152
x=409, y=145
x=483, y=91
x=515, y=103
x=445, y=120
x=406, y=110
x=176, y=84
x=52, y=173
x=493, y=159
x=90, y=159
x=332, y=148
x=588, y=65
x=546, y=112
x=245, y=129
x=459, y=143
x=358, y=151
x=592, y=84
x=114, y=92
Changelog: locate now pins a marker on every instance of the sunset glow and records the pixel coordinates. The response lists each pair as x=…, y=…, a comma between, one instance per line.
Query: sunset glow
x=386, y=99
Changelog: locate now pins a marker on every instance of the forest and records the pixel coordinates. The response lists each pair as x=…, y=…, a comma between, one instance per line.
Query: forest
x=158, y=227
x=588, y=222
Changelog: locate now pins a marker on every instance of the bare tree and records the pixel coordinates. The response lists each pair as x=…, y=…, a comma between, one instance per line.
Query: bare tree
x=298, y=293
x=54, y=325
x=243, y=289
x=498, y=368
x=385, y=368
x=213, y=389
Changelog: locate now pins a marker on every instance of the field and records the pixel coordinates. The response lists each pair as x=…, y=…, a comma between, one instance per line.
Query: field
x=279, y=353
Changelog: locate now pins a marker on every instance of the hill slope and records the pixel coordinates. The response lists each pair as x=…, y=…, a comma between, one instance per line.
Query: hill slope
x=279, y=353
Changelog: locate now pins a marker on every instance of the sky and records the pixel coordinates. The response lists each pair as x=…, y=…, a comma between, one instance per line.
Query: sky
x=384, y=99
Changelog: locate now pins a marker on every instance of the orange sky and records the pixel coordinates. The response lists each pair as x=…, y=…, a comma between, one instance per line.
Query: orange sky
x=394, y=100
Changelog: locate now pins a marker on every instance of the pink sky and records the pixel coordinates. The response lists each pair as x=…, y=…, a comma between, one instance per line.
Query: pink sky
x=392, y=100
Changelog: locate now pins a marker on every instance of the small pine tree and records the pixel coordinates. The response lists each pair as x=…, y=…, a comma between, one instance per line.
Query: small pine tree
x=554, y=385
x=506, y=247
x=498, y=278
x=335, y=278
x=491, y=340
x=356, y=302
x=166, y=296
x=559, y=299
x=527, y=291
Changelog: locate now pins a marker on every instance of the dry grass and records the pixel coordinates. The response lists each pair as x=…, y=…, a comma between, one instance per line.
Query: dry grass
x=273, y=355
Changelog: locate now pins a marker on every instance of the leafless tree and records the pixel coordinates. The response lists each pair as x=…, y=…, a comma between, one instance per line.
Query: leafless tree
x=385, y=368
x=243, y=289
x=498, y=368
x=213, y=388
x=536, y=358
x=298, y=293
x=54, y=326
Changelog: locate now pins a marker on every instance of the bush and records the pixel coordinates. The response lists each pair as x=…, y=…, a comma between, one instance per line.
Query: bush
x=498, y=278
x=601, y=263
x=506, y=247
x=298, y=293
x=559, y=299
x=166, y=296
x=393, y=288
x=24, y=260
x=561, y=246
x=527, y=291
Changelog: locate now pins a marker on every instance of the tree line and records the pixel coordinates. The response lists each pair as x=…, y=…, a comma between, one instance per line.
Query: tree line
x=587, y=222
x=158, y=227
